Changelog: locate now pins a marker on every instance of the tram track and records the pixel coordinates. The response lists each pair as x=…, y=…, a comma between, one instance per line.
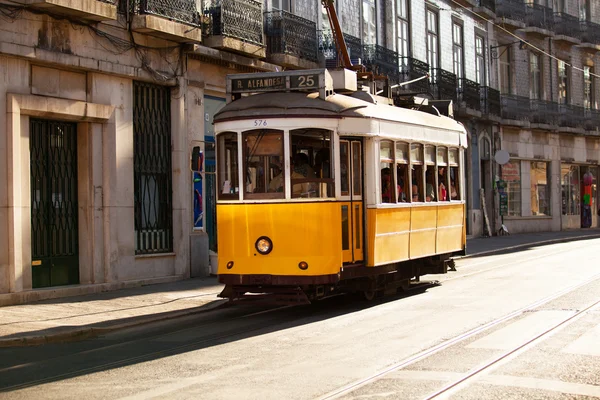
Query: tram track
x=423, y=355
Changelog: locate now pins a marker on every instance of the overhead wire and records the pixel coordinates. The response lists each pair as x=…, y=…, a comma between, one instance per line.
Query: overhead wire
x=521, y=39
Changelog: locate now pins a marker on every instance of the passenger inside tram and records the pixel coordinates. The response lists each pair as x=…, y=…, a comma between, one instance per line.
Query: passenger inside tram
x=442, y=190
x=402, y=174
x=429, y=184
x=415, y=193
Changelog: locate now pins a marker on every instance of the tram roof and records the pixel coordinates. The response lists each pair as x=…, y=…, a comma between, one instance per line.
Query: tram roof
x=299, y=105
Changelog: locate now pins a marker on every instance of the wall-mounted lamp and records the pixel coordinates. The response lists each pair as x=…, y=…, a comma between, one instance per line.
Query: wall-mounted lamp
x=494, y=49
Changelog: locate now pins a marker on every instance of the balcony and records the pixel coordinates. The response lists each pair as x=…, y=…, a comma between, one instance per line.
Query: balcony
x=90, y=10
x=515, y=109
x=539, y=19
x=291, y=40
x=236, y=26
x=490, y=102
x=381, y=61
x=176, y=20
x=469, y=96
x=566, y=28
x=571, y=116
x=590, y=35
x=328, y=48
x=411, y=68
x=511, y=13
x=487, y=8
x=443, y=85
x=592, y=120
x=544, y=113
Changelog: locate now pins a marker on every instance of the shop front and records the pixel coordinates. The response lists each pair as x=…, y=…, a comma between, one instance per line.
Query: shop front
x=579, y=196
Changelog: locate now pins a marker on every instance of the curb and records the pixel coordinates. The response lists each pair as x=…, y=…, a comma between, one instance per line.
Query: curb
x=521, y=245
x=88, y=332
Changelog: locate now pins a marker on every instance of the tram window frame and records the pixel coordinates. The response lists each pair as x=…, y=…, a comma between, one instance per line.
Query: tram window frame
x=311, y=141
x=402, y=179
x=268, y=179
x=442, y=162
x=454, y=171
x=345, y=167
x=386, y=162
x=228, y=166
x=416, y=172
x=430, y=173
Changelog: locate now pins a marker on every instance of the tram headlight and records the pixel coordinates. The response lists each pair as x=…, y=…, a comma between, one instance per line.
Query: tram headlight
x=263, y=245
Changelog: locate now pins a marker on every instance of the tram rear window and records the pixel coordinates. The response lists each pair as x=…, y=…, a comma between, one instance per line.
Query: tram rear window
x=229, y=182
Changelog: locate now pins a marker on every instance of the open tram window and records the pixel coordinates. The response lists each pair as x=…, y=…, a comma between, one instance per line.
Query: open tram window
x=453, y=172
x=228, y=166
x=430, y=192
x=402, y=171
x=386, y=165
x=442, y=174
x=416, y=173
x=311, y=167
x=263, y=164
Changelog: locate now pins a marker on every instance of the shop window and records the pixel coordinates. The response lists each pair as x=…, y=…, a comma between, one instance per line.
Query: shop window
x=263, y=165
x=416, y=173
x=511, y=175
x=571, y=199
x=540, y=188
x=386, y=164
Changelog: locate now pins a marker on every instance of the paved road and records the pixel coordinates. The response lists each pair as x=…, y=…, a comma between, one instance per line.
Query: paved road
x=397, y=348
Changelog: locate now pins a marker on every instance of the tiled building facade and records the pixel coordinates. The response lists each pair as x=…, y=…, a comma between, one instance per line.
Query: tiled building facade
x=89, y=86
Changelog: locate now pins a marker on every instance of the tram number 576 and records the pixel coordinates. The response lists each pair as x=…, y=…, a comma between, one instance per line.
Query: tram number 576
x=260, y=122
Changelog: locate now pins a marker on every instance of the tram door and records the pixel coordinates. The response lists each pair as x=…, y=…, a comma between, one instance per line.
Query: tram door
x=351, y=176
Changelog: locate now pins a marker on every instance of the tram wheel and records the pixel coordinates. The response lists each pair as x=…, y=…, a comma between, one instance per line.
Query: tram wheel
x=369, y=295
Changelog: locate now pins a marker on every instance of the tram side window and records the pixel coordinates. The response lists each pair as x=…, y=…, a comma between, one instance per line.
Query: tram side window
x=442, y=174
x=402, y=171
x=386, y=165
x=228, y=166
x=416, y=173
x=312, y=172
x=263, y=164
x=430, y=192
x=454, y=174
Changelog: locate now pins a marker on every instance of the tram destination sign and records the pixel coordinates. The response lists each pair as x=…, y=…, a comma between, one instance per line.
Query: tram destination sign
x=315, y=79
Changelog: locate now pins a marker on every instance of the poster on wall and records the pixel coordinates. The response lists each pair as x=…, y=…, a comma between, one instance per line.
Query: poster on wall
x=198, y=210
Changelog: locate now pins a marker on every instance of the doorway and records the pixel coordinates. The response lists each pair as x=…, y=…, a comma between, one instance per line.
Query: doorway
x=351, y=174
x=54, y=207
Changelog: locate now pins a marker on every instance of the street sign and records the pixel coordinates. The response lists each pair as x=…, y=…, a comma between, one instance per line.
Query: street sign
x=503, y=203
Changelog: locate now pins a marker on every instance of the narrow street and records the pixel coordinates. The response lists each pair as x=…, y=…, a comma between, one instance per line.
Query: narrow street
x=523, y=324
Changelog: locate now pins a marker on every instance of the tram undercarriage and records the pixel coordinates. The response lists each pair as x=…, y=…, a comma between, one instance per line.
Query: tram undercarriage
x=370, y=282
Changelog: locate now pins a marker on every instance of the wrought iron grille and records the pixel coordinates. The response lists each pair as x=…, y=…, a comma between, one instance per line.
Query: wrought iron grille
x=592, y=119
x=184, y=11
x=443, y=84
x=540, y=16
x=511, y=9
x=544, y=112
x=240, y=19
x=566, y=24
x=411, y=68
x=381, y=61
x=490, y=101
x=54, y=208
x=470, y=94
x=515, y=107
x=152, y=168
x=571, y=116
x=290, y=34
x=328, y=48
x=590, y=32
x=489, y=4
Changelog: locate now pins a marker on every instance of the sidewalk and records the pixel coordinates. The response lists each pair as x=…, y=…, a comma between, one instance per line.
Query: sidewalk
x=81, y=317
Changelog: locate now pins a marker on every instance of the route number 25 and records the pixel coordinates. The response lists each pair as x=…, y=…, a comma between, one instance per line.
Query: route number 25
x=306, y=81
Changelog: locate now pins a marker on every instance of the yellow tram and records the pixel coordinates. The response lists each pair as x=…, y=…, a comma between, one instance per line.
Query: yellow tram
x=324, y=188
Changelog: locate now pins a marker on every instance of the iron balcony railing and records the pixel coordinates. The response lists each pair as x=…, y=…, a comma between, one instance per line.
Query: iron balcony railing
x=571, y=116
x=239, y=19
x=490, y=101
x=410, y=69
x=443, y=85
x=592, y=119
x=539, y=16
x=290, y=34
x=381, y=61
x=515, y=107
x=543, y=112
x=511, y=9
x=566, y=24
x=489, y=4
x=469, y=94
x=184, y=11
x=328, y=48
x=590, y=32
